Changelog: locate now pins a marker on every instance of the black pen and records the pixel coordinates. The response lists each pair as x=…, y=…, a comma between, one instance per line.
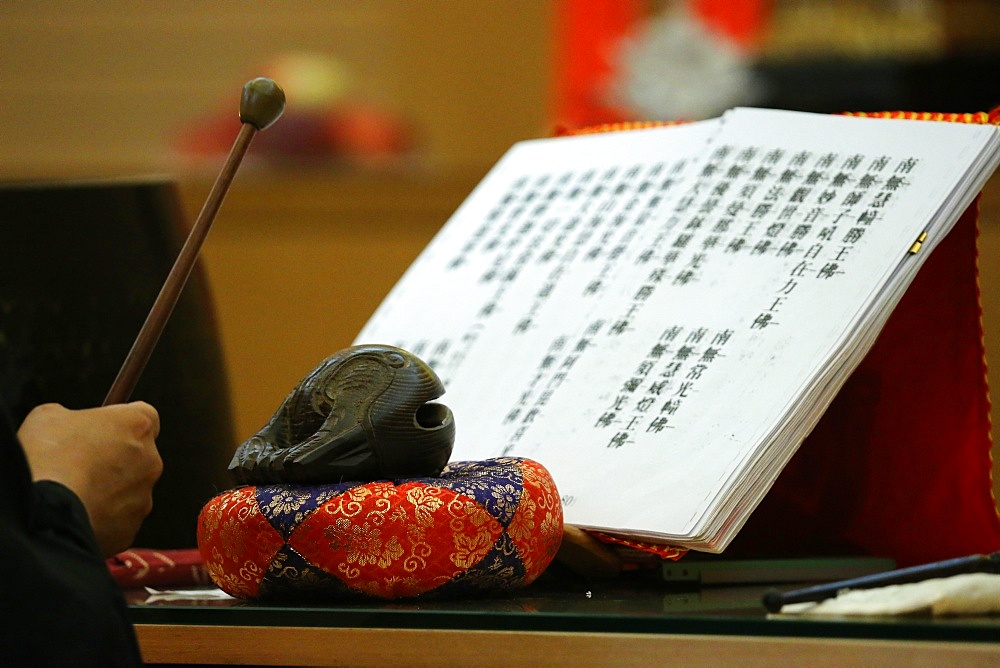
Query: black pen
x=976, y=563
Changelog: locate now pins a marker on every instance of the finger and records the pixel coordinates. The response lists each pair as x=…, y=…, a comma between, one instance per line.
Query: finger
x=150, y=414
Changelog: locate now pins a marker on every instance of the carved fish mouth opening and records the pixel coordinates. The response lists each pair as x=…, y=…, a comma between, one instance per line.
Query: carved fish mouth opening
x=432, y=416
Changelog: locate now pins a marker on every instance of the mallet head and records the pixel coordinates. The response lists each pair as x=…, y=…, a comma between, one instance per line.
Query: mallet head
x=262, y=103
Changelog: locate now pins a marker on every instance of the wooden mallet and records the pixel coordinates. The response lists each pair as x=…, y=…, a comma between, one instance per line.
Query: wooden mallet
x=262, y=103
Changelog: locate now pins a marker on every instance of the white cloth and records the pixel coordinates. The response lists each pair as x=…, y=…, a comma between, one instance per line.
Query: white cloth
x=200, y=594
x=966, y=594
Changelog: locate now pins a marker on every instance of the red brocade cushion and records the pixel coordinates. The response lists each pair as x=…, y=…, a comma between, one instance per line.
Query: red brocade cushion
x=479, y=527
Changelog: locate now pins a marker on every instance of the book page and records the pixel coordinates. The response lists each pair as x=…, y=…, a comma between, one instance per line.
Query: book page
x=660, y=316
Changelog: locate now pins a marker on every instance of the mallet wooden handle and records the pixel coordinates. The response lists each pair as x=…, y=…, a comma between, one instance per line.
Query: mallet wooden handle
x=260, y=106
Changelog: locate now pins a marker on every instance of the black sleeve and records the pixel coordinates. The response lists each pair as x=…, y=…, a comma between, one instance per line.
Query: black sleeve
x=59, y=604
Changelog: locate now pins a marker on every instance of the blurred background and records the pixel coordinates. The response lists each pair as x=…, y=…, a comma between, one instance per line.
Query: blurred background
x=397, y=108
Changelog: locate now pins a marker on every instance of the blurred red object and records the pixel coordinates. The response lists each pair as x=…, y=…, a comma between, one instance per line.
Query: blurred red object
x=364, y=132
x=139, y=567
x=349, y=132
x=588, y=35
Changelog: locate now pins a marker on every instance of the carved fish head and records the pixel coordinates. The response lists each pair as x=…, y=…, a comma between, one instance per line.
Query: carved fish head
x=365, y=413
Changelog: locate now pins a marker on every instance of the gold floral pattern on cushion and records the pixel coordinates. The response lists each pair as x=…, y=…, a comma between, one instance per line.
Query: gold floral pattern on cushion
x=479, y=527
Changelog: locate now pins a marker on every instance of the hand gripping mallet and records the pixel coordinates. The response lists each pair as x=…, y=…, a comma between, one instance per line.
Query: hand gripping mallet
x=262, y=103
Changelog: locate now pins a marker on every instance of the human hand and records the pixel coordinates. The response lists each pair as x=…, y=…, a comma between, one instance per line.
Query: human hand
x=107, y=456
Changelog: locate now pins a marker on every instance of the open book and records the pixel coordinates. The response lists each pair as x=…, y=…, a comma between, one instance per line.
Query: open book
x=660, y=316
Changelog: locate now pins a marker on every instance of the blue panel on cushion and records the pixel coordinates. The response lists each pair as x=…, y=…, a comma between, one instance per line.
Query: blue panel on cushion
x=496, y=485
x=498, y=568
x=285, y=506
x=291, y=576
